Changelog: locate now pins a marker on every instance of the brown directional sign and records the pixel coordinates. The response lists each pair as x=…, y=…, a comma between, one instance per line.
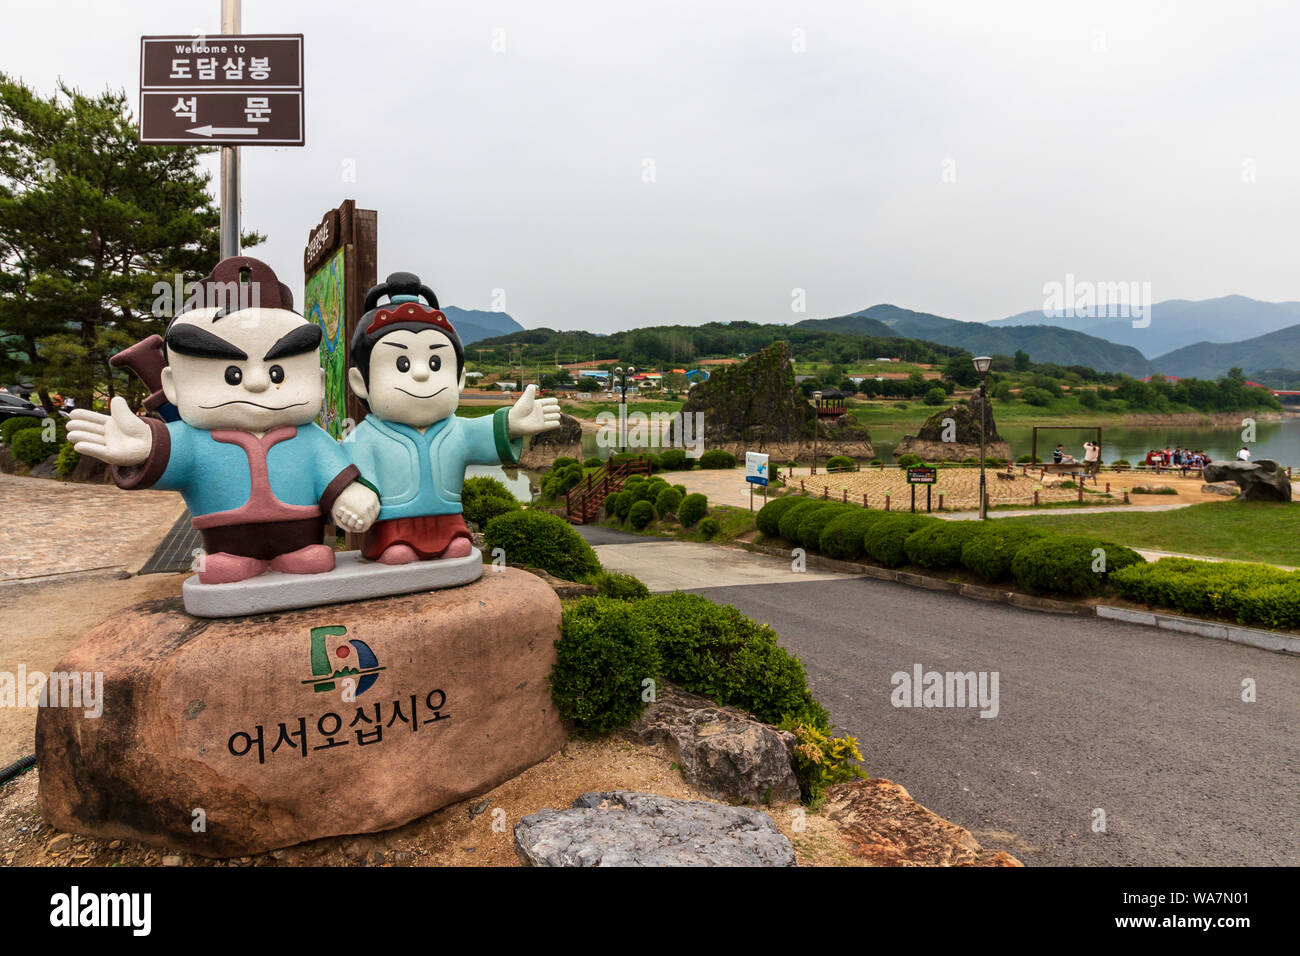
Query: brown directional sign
x=243, y=90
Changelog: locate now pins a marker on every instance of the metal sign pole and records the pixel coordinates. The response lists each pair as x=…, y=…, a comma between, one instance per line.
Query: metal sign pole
x=229, y=157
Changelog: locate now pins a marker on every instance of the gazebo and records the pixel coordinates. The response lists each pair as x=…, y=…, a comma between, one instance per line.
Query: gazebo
x=830, y=403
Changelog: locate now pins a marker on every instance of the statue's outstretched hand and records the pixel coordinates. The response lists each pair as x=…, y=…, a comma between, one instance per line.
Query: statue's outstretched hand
x=531, y=414
x=119, y=438
x=356, y=508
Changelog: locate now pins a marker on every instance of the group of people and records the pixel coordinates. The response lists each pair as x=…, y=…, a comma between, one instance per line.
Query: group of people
x=1184, y=459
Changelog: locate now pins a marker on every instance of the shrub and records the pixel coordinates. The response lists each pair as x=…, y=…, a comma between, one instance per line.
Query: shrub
x=482, y=498
x=680, y=489
x=604, y=652
x=842, y=536
x=1063, y=564
x=592, y=462
x=989, y=551
x=814, y=520
x=1039, y=397
x=905, y=461
x=770, y=514
x=611, y=503
x=788, y=526
x=624, y=587
x=625, y=502
x=935, y=396
x=821, y=761
x=640, y=514
x=1248, y=593
x=1153, y=490
x=667, y=502
x=562, y=462
x=1028, y=460
x=709, y=527
x=642, y=491
x=841, y=462
x=939, y=547
x=713, y=649
x=560, y=481
x=67, y=460
x=544, y=541
x=674, y=459
x=18, y=423
x=717, y=458
x=30, y=447
x=884, y=539
x=693, y=508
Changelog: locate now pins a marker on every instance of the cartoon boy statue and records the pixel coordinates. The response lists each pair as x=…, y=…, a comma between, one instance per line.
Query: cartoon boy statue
x=408, y=366
x=259, y=476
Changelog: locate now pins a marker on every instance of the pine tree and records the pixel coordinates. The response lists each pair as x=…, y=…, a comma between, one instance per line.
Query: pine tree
x=90, y=221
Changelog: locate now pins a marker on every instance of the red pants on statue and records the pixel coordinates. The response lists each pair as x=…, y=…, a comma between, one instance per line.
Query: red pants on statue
x=426, y=535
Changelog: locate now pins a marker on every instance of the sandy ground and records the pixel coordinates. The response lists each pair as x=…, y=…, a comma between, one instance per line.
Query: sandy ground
x=475, y=832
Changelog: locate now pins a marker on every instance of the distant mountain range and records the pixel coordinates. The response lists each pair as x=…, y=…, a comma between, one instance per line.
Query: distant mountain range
x=1280, y=349
x=1176, y=323
x=473, y=325
x=1043, y=343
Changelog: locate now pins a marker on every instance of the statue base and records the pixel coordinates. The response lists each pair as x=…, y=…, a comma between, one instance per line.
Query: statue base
x=353, y=579
x=237, y=736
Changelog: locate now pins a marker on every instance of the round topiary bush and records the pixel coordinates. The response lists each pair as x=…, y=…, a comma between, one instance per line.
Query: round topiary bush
x=939, y=547
x=611, y=503
x=1069, y=564
x=592, y=462
x=884, y=539
x=483, y=497
x=12, y=426
x=905, y=461
x=624, y=587
x=642, y=491
x=541, y=540
x=988, y=553
x=640, y=514
x=673, y=459
x=30, y=447
x=625, y=502
x=839, y=463
x=717, y=458
x=680, y=489
x=667, y=502
x=788, y=526
x=770, y=514
x=814, y=520
x=693, y=508
x=842, y=537
x=709, y=527
x=604, y=652
x=559, y=481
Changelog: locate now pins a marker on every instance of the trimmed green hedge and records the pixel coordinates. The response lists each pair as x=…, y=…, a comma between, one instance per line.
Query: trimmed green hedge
x=717, y=458
x=884, y=539
x=640, y=514
x=1248, y=593
x=624, y=587
x=483, y=497
x=605, y=651
x=788, y=526
x=19, y=423
x=815, y=520
x=544, y=541
x=667, y=502
x=990, y=550
x=842, y=537
x=939, y=547
x=1064, y=564
x=674, y=459
x=769, y=516
x=30, y=447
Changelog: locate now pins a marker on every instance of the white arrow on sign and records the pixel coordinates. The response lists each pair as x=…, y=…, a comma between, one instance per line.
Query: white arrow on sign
x=211, y=131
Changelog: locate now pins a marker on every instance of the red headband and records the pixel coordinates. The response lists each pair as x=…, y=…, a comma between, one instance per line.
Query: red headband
x=409, y=312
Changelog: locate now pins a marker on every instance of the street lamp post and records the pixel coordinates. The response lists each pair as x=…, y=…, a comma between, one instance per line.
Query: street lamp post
x=817, y=415
x=982, y=363
x=621, y=376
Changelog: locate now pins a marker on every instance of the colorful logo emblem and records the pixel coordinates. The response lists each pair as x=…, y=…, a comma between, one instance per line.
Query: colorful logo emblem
x=329, y=666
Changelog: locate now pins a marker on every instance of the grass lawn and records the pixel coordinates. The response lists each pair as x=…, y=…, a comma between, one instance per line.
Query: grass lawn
x=1238, y=530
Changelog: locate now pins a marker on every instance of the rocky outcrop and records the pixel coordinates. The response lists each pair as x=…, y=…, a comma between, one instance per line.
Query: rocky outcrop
x=1263, y=480
x=883, y=825
x=1226, y=488
x=721, y=750
x=954, y=434
x=755, y=405
x=228, y=737
x=621, y=828
x=544, y=447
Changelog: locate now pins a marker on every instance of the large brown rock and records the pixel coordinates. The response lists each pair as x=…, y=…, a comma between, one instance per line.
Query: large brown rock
x=883, y=825
x=457, y=679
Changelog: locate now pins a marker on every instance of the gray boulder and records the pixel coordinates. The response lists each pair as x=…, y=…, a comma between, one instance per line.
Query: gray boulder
x=621, y=828
x=723, y=751
x=1263, y=480
x=1226, y=488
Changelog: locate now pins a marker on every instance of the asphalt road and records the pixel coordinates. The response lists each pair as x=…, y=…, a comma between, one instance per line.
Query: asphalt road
x=1142, y=724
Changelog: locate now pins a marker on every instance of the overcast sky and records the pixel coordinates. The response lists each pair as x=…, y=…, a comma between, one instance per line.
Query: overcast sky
x=949, y=157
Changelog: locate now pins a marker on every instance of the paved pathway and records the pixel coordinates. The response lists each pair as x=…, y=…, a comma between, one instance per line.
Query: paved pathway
x=57, y=527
